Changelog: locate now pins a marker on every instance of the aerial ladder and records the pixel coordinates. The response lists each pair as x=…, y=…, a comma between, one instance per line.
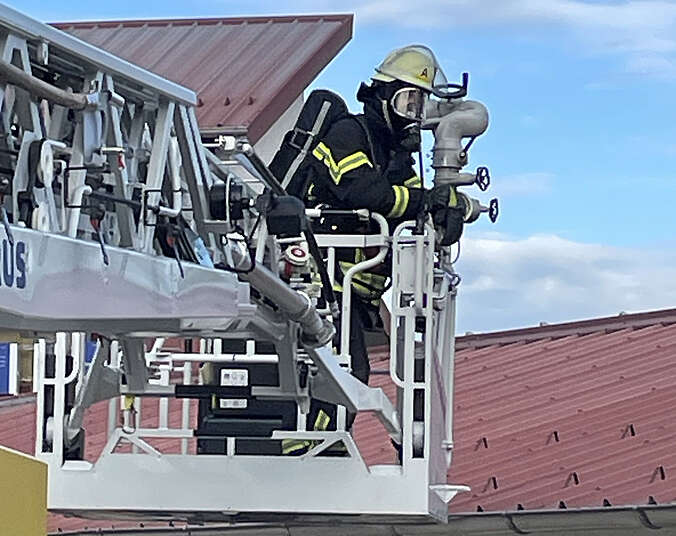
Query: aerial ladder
x=120, y=229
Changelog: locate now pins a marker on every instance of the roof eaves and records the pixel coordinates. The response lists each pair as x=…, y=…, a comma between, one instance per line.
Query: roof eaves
x=332, y=17
x=296, y=85
x=582, y=327
x=635, y=520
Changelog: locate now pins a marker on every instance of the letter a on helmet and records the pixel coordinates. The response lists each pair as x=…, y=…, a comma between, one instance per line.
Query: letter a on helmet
x=415, y=65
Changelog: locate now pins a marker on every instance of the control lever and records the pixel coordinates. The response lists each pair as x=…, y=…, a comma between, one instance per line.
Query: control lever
x=483, y=178
x=96, y=224
x=171, y=240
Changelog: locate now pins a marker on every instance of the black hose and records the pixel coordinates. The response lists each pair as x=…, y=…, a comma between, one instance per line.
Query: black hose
x=267, y=176
x=327, y=287
x=277, y=188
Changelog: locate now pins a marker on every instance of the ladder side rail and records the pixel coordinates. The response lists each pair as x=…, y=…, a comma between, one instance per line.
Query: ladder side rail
x=185, y=405
x=189, y=148
x=156, y=172
x=82, y=138
x=39, y=356
x=412, y=286
x=125, y=215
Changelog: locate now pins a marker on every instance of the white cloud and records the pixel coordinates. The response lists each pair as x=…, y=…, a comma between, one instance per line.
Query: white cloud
x=534, y=183
x=628, y=25
x=642, y=31
x=509, y=283
x=652, y=65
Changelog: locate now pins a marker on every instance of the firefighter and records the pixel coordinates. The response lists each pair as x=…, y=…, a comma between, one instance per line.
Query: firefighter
x=365, y=162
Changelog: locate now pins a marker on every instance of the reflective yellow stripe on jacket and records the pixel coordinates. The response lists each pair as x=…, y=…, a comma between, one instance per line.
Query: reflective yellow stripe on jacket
x=401, y=197
x=413, y=182
x=337, y=170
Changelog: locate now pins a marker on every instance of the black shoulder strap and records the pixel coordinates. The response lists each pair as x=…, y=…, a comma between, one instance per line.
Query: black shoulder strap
x=309, y=142
x=364, y=126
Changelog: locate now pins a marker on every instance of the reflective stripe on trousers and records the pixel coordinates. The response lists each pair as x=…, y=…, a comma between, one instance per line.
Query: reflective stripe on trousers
x=293, y=445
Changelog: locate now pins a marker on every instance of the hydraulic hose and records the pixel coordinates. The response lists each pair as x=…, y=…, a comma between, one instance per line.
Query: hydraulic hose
x=17, y=77
x=276, y=187
x=327, y=288
x=295, y=305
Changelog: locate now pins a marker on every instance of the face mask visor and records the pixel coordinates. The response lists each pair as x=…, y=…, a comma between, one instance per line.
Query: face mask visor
x=409, y=103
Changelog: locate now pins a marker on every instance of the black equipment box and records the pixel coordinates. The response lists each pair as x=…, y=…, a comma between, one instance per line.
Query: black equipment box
x=248, y=419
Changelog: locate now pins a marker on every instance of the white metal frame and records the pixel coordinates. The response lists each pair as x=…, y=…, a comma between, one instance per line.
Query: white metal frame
x=416, y=487
x=77, y=277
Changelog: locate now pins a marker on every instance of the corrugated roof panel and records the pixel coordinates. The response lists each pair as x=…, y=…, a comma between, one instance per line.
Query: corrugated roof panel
x=573, y=414
x=246, y=71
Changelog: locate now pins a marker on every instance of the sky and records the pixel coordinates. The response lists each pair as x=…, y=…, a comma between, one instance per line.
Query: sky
x=581, y=144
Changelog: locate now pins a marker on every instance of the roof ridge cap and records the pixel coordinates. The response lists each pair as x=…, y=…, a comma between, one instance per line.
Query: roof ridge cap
x=563, y=329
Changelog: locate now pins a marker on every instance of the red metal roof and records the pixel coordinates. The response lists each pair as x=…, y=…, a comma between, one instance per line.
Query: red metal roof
x=573, y=415
x=17, y=431
x=569, y=415
x=246, y=71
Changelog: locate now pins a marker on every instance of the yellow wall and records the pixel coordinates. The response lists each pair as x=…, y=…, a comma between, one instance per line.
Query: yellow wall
x=23, y=494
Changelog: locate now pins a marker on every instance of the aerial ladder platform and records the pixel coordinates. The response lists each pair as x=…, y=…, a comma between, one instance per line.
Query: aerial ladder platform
x=118, y=226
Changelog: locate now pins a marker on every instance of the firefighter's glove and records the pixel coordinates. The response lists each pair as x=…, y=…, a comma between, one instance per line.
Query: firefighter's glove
x=438, y=198
x=449, y=222
x=448, y=212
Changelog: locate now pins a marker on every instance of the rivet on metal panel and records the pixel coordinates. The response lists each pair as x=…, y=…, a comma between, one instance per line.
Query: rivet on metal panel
x=553, y=436
x=629, y=431
x=658, y=472
x=606, y=502
x=562, y=505
x=482, y=442
x=572, y=477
